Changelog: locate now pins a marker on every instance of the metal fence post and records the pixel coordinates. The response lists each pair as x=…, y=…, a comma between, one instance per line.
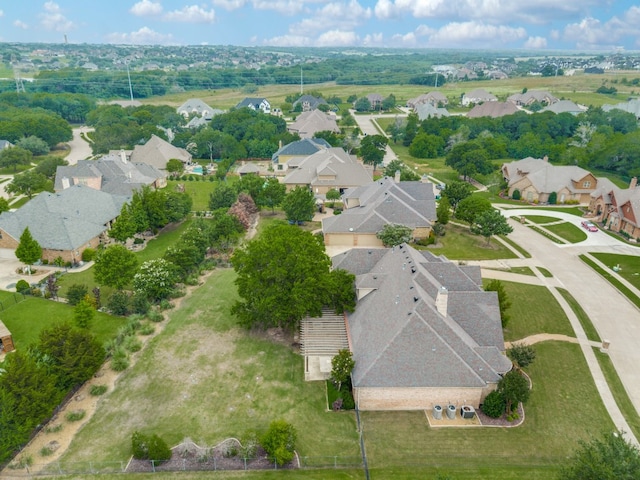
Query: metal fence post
x=184, y=464
x=245, y=462
x=153, y=466
x=215, y=466
x=121, y=466
x=335, y=462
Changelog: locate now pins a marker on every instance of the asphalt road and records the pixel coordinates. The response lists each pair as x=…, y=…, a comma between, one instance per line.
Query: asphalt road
x=80, y=149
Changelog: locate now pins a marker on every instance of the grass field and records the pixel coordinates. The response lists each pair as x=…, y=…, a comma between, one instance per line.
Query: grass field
x=629, y=265
x=568, y=231
x=198, y=191
x=459, y=244
x=570, y=210
x=541, y=219
x=589, y=330
x=517, y=247
x=622, y=288
x=544, y=233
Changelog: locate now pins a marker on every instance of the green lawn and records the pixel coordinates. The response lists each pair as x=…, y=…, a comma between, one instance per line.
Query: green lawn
x=606, y=274
x=545, y=272
x=198, y=191
x=570, y=210
x=583, y=318
x=568, y=231
x=533, y=310
x=542, y=232
x=541, y=219
x=460, y=244
x=629, y=265
x=522, y=251
x=25, y=320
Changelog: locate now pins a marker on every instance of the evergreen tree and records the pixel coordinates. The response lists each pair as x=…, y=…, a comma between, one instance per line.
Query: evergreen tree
x=29, y=250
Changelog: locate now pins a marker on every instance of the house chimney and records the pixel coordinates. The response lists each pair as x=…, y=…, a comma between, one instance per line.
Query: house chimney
x=123, y=156
x=396, y=177
x=633, y=182
x=545, y=158
x=65, y=183
x=279, y=144
x=441, y=301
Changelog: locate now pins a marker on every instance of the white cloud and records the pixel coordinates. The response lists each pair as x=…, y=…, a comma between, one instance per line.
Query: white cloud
x=289, y=41
x=229, y=4
x=20, y=24
x=146, y=8
x=536, y=42
x=144, y=36
x=593, y=33
x=337, y=38
x=343, y=16
x=191, y=14
x=373, y=40
x=1, y=13
x=53, y=19
x=284, y=7
x=479, y=35
x=385, y=9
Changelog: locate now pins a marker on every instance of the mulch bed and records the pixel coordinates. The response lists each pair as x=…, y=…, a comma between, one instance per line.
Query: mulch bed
x=501, y=421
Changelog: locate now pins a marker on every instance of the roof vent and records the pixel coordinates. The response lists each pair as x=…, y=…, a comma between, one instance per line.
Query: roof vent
x=413, y=269
x=415, y=299
x=397, y=299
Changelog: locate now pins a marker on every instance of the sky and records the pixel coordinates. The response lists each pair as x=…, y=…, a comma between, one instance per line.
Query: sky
x=584, y=25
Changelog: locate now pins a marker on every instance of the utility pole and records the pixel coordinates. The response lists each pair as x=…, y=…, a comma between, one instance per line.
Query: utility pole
x=301, y=82
x=129, y=77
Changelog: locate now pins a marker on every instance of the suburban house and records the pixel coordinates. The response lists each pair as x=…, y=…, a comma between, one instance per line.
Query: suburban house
x=375, y=100
x=112, y=174
x=493, y=110
x=617, y=208
x=564, y=106
x=536, y=179
x=367, y=209
x=195, y=106
x=5, y=144
x=255, y=103
x=309, y=123
x=434, y=98
x=308, y=103
x=479, y=95
x=291, y=154
x=532, y=96
x=424, y=332
x=327, y=169
x=631, y=106
x=63, y=223
x=157, y=152
x=428, y=110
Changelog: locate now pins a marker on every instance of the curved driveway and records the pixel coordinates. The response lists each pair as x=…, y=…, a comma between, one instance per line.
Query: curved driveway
x=615, y=318
x=79, y=148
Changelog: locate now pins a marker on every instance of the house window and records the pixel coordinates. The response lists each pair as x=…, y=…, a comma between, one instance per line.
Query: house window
x=586, y=184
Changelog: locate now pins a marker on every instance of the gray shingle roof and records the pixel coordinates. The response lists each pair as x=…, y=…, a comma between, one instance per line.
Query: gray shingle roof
x=158, y=152
x=309, y=123
x=400, y=339
x=383, y=202
x=66, y=220
x=197, y=106
x=564, y=106
x=345, y=170
x=304, y=147
x=493, y=110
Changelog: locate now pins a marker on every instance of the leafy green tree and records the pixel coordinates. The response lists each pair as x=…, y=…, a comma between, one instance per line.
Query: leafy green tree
x=393, y=234
x=115, y=266
x=455, y=192
x=410, y=129
x=299, y=205
x=279, y=441
x=425, y=145
x=156, y=279
x=4, y=205
x=29, y=250
x=252, y=184
x=84, y=313
x=342, y=365
x=389, y=103
x=125, y=226
x=341, y=291
x=521, y=354
x=223, y=195
x=471, y=207
x=283, y=275
x=494, y=405
x=35, y=145
x=75, y=355
x=272, y=194
x=174, y=167
x=406, y=174
x=443, y=211
x=76, y=293
x=48, y=166
x=504, y=303
x=225, y=229
x=333, y=195
x=14, y=156
x=610, y=457
x=372, y=149
x=362, y=105
x=178, y=205
x=489, y=223
x=186, y=256
x=514, y=387
x=469, y=158
x=28, y=183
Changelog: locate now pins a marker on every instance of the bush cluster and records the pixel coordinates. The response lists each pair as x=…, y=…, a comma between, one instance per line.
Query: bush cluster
x=149, y=447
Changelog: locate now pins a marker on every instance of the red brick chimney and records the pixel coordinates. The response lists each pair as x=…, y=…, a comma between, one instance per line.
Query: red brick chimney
x=633, y=182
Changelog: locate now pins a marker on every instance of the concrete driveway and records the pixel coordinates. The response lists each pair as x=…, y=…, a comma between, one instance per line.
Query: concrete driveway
x=80, y=149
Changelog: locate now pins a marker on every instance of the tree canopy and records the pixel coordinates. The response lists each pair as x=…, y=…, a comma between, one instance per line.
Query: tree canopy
x=115, y=266
x=372, y=149
x=394, y=234
x=489, y=223
x=299, y=205
x=283, y=275
x=29, y=250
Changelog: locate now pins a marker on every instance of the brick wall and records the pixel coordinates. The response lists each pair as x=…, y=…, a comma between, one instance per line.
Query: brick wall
x=418, y=398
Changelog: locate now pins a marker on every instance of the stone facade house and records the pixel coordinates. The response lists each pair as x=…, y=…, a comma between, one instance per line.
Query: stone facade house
x=617, y=208
x=434, y=98
x=290, y=155
x=493, y=110
x=157, y=152
x=195, y=106
x=531, y=96
x=479, y=95
x=536, y=179
x=367, y=209
x=424, y=332
x=309, y=123
x=255, y=103
x=63, y=223
x=308, y=103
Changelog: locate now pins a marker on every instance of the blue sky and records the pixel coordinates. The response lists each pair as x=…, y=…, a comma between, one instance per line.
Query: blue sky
x=603, y=25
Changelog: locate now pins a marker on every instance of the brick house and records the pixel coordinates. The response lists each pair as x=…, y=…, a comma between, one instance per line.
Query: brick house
x=617, y=208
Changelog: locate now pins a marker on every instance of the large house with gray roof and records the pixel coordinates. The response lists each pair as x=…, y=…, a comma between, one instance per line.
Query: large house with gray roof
x=158, y=152
x=64, y=223
x=536, y=179
x=367, y=209
x=307, y=103
x=309, y=123
x=617, y=208
x=424, y=332
x=479, y=95
x=112, y=173
x=255, y=103
x=493, y=110
x=327, y=169
x=195, y=106
x=291, y=154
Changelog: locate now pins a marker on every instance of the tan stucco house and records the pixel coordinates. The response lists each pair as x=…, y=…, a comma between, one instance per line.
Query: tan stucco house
x=424, y=332
x=158, y=152
x=307, y=124
x=367, y=209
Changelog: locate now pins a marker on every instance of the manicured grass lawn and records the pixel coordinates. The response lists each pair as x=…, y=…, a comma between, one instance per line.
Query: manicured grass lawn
x=82, y=278
x=18, y=203
x=619, y=393
x=585, y=321
x=533, y=310
x=613, y=281
x=570, y=210
x=545, y=234
x=204, y=378
x=568, y=231
x=629, y=265
x=541, y=219
x=460, y=244
x=198, y=191
x=564, y=408
x=545, y=272
x=25, y=320
x=267, y=218
x=522, y=251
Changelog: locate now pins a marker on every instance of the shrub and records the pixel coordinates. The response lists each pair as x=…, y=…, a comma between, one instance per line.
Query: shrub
x=155, y=316
x=97, y=390
x=22, y=286
x=279, y=441
x=75, y=415
x=138, y=241
x=119, y=360
x=516, y=194
x=118, y=303
x=140, y=304
x=88, y=254
x=165, y=304
x=494, y=405
x=147, y=329
x=53, y=428
x=139, y=446
x=76, y=293
x=149, y=447
x=45, y=451
x=132, y=344
x=521, y=354
x=250, y=443
x=36, y=292
x=347, y=398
